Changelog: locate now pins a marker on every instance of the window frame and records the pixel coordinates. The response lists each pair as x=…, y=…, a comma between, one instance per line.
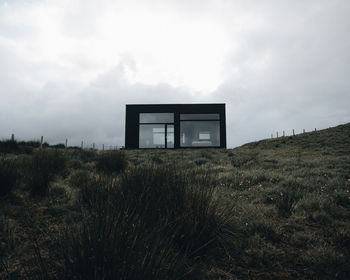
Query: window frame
x=165, y=124
x=217, y=119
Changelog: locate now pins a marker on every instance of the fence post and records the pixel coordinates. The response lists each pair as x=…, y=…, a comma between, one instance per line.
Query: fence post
x=82, y=145
x=293, y=132
x=12, y=137
x=41, y=141
x=66, y=143
x=315, y=128
x=283, y=133
x=93, y=146
x=277, y=133
x=103, y=147
x=271, y=135
x=303, y=130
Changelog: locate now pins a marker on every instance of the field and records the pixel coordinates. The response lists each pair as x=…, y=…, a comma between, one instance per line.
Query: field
x=273, y=209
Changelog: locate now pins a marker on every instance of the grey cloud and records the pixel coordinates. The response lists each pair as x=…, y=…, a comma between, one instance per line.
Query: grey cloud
x=94, y=114
x=289, y=70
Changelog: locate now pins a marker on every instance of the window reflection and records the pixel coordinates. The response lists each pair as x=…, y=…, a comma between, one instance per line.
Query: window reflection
x=200, y=133
x=184, y=117
x=170, y=136
x=156, y=117
x=152, y=136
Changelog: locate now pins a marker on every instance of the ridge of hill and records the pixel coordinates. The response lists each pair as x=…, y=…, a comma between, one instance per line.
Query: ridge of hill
x=330, y=138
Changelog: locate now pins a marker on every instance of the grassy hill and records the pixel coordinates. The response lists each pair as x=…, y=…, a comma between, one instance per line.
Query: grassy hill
x=272, y=209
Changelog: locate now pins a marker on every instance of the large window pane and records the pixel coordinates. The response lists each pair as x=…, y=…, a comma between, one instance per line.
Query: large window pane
x=200, y=134
x=156, y=117
x=184, y=117
x=152, y=136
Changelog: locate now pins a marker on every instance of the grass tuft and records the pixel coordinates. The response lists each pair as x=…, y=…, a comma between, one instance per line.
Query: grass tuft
x=45, y=165
x=111, y=162
x=8, y=176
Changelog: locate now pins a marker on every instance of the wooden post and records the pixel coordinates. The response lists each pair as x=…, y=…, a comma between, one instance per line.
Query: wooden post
x=41, y=141
x=93, y=146
x=277, y=133
x=66, y=143
x=303, y=130
x=283, y=133
x=315, y=128
x=103, y=147
x=271, y=135
x=293, y=132
x=12, y=137
x=82, y=145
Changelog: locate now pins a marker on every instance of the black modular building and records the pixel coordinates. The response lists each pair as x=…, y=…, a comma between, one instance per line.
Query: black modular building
x=172, y=126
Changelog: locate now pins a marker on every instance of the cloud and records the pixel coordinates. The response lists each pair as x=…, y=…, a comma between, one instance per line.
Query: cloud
x=68, y=68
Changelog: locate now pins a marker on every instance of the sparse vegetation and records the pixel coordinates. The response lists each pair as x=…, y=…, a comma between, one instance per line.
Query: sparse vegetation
x=8, y=176
x=44, y=166
x=112, y=162
x=273, y=209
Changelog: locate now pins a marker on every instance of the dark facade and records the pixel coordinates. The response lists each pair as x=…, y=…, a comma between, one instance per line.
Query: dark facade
x=172, y=126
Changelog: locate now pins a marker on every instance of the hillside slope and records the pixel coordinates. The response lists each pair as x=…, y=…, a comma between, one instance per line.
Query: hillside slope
x=290, y=197
x=335, y=138
x=272, y=209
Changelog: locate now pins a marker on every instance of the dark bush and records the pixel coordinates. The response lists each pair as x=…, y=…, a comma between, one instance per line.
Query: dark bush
x=19, y=147
x=9, y=146
x=111, y=162
x=83, y=155
x=32, y=143
x=8, y=176
x=151, y=223
x=79, y=178
x=286, y=197
x=75, y=164
x=45, y=165
x=59, y=146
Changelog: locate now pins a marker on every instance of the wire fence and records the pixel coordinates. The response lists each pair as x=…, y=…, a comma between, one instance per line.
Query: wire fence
x=292, y=132
x=103, y=147
x=83, y=145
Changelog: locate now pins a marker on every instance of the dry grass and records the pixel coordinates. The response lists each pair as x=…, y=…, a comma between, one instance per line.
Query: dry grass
x=282, y=209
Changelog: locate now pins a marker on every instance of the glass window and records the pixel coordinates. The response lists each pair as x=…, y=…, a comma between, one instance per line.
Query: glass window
x=170, y=136
x=156, y=117
x=200, y=134
x=152, y=136
x=184, y=117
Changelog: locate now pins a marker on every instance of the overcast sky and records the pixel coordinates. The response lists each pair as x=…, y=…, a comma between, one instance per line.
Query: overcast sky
x=68, y=67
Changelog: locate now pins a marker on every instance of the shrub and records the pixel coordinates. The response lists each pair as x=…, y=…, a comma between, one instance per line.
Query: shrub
x=9, y=146
x=87, y=155
x=75, y=164
x=285, y=197
x=111, y=162
x=151, y=223
x=44, y=166
x=8, y=176
x=58, y=146
x=79, y=178
x=26, y=147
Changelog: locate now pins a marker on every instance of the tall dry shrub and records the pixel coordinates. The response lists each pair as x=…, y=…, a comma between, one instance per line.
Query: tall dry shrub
x=8, y=176
x=151, y=222
x=44, y=166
